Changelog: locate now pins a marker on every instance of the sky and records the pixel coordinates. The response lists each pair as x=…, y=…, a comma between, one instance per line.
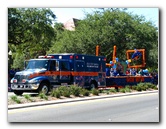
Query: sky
x=64, y=14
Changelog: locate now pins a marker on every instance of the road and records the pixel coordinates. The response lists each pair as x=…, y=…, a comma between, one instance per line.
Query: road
x=134, y=108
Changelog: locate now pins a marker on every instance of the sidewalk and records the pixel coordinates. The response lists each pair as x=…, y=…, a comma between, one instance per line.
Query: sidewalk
x=17, y=106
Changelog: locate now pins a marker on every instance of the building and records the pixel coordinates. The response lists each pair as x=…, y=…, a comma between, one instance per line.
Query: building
x=71, y=24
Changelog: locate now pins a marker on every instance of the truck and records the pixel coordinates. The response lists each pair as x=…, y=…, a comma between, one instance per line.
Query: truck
x=53, y=70
x=47, y=72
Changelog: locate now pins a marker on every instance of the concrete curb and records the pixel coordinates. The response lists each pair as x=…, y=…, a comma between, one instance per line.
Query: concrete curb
x=18, y=106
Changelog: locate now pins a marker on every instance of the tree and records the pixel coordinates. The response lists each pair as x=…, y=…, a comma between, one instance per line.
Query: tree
x=30, y=31
x=108, y=28
x=29, y=24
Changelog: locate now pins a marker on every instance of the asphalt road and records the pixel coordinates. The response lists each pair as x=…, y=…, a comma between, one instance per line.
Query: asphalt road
x=135, y=108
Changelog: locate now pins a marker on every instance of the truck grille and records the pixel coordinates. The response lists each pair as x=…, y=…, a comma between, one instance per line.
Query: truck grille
x=20, y=77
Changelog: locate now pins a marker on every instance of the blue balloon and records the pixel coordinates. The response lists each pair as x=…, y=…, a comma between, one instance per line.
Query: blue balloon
x=117, y=59
x=145, y=71
x=127, y=62
x=111, y=62
x=114, y=66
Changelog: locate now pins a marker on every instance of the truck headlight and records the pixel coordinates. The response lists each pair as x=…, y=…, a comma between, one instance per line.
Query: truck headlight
x=13, y=80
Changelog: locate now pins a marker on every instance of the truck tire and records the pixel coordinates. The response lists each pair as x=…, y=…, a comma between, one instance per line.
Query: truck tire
x=44, y=88
x=93, y=85
x=17, y=92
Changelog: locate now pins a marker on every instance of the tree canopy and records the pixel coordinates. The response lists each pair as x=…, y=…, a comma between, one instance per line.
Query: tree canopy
x=108, y=28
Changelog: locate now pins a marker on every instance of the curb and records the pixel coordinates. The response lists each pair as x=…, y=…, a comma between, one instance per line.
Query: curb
x=18, y=106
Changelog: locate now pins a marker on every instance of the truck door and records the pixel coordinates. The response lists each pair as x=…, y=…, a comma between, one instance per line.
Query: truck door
x=64, y=67
x=53, y=70
x=80, y=68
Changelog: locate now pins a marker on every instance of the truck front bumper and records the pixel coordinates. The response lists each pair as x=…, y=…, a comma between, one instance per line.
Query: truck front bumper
x=25, y=86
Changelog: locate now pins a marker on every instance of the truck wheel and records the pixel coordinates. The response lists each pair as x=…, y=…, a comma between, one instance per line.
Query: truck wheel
x=44, y=88
x=93, y=85
x=17, y=92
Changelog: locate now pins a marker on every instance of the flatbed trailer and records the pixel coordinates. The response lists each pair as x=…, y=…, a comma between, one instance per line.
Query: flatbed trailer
x=122, y=81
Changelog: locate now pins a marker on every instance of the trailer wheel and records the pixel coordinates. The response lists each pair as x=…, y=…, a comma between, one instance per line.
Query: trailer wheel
x=44, y=88
x=17, y=92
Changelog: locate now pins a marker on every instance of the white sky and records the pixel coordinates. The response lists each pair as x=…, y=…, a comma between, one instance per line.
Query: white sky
x=64, y=14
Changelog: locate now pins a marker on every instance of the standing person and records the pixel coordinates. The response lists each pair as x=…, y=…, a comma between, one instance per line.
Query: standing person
x=111, y=72
x=12, y=72
x=132, y=72
x=119, y=69
x=127, y=72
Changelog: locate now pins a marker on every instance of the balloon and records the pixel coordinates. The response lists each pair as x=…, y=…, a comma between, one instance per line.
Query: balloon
x=114, y=66
x=145, y=71
x=117, y=59
x=127, y=62
x=111, y=62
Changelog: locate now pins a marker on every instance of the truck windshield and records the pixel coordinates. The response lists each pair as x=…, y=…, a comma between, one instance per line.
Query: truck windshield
x=37, y=64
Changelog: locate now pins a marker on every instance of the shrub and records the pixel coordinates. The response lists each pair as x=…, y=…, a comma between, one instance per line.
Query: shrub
x=15, y=99
x=85, y=92
x=75, y=90
x=146, y=87
x=143, y=88
x=62, y=89
x=122, y=90
x=95, y=91
x=138, y=88
x=134, y=87
x=128, y=86
x=155, y=88
x=141, y=84
x=127, y=89
x=55, y=93
x=105, y=91
x=28, y=97
x=149, y=85
x=67, y=93
x=43, y=96
x=113, y=90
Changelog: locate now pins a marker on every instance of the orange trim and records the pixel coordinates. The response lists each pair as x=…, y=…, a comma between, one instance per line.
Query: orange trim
x=65, y=73
x=114, y=55
x=84, y=73
x=97, y=50
x=143, y=58
x=107, y=64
